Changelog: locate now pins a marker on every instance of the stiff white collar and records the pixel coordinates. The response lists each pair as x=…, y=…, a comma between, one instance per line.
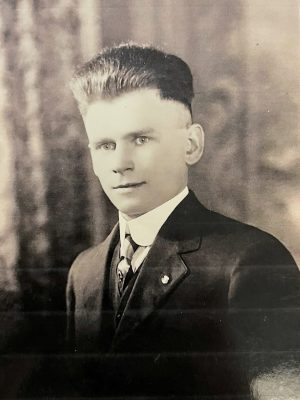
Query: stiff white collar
x=144, y=228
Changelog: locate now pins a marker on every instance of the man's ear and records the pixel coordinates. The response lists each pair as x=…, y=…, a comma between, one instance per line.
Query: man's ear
x=195, y=144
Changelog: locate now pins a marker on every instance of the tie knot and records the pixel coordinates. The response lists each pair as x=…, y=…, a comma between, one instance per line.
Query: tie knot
x=129, y=247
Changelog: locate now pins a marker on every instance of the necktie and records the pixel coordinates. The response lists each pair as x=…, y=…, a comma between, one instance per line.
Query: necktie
x=124, y=270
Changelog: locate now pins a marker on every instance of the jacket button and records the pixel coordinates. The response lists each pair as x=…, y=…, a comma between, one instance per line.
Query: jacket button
x=165, y=279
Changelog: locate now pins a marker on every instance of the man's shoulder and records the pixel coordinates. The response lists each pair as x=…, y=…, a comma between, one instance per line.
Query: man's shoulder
x=252, y=245
x=84, y=258
x=89, y=253
x=211, y=222
x=222, y=224
x=92, y=256
x=230, y=235
x=233, y=229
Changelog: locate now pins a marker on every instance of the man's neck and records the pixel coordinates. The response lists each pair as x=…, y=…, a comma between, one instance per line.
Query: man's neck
x=145, y=227
x=131, y=217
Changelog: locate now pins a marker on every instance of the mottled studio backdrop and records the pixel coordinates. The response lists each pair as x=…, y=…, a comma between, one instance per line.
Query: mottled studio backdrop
x=244, y=55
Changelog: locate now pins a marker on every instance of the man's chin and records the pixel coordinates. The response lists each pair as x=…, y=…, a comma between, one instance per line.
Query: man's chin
x=132, y=206
x=131, y=212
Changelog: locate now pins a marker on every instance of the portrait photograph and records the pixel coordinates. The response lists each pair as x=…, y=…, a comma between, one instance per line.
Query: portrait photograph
x=150, y=199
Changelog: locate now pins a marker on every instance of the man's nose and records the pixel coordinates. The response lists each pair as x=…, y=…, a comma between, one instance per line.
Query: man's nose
x=122, y=160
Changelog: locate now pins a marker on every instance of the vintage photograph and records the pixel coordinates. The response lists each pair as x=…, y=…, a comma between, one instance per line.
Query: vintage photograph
x=150, y=199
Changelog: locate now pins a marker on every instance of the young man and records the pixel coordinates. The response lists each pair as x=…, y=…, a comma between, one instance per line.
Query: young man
x=178, y=298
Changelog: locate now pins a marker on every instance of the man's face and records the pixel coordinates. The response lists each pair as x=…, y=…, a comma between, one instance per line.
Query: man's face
x=138, y=144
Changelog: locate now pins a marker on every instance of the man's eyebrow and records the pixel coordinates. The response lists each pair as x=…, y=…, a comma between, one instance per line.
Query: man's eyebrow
x=133, y=134
x=98, y=142
x=140, y=132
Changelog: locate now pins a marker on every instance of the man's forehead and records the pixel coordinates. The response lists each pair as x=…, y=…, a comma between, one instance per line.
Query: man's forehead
x=138, y=105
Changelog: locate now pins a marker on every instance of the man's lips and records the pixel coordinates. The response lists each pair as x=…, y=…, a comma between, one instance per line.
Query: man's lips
x=129, y=185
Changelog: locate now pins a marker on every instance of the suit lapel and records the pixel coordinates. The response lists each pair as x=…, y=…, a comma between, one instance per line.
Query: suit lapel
x=161, y=273
x=93, y=290
x=97, y=271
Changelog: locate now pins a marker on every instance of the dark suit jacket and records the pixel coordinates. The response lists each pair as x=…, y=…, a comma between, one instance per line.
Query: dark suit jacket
x=228, y=310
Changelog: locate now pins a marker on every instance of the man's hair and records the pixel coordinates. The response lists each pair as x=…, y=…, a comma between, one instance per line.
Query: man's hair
x=128, y=67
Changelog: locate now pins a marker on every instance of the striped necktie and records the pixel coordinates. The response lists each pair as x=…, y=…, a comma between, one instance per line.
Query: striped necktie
x=124, y=269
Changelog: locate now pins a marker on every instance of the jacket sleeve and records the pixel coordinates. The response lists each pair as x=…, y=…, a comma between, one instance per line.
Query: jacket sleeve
x=264, y=306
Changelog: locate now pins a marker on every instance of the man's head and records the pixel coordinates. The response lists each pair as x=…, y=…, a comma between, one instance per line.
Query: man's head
x=136, y=106
x=124, y=68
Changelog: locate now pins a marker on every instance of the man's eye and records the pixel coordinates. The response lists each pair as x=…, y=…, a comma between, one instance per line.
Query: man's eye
x=141, y=140
x=106, y=146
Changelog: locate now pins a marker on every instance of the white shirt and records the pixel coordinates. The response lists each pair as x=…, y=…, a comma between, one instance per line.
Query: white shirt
x=145, y=228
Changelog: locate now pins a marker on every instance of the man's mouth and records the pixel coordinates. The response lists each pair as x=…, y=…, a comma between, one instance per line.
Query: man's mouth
x=129, y=185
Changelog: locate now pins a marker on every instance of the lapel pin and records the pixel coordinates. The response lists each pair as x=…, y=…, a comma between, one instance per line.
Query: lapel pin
x=165, y=279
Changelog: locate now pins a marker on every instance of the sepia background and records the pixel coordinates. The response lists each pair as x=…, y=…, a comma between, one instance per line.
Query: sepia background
x=244, y=55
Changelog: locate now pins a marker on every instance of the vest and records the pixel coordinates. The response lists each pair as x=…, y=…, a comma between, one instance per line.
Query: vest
x=114, y=304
